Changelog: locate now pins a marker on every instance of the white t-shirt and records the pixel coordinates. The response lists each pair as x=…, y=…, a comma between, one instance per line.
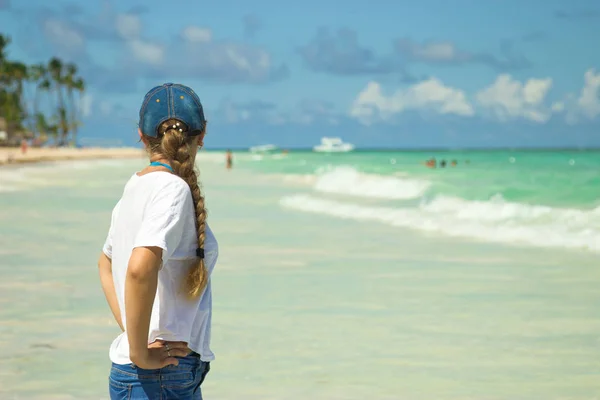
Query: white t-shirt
x=157, y=209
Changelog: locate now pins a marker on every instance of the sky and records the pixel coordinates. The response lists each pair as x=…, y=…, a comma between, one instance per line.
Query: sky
x=401, y=74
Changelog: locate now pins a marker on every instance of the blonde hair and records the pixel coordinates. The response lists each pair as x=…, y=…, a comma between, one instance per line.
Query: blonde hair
x=175, y=145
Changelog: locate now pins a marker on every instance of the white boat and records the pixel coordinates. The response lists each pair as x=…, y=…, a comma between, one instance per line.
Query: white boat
x=263, y=148
x=333, y=145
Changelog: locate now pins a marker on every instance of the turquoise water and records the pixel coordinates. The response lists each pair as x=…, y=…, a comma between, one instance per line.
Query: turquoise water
x=543, y=199
x=566, y=178
x=338, y=278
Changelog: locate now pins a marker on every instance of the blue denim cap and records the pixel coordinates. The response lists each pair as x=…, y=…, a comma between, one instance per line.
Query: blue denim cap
x=168, y=101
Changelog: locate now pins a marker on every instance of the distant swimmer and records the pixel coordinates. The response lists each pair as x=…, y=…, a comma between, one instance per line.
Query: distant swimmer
x=453, y=163
x=229, y=159
x=430, y=163
x=443, y=164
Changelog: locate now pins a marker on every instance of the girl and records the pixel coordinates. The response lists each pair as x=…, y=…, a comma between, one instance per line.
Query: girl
x=158, y=257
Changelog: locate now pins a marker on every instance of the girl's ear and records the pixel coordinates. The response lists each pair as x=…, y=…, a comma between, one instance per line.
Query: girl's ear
x=142, y=138
x=201, y=137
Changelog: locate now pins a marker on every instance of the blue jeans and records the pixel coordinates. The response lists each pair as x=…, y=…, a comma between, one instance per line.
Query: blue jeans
x=128, y=382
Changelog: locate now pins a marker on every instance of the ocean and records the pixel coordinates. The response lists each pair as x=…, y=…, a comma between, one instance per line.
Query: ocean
x=543, y=199
x=341, y=276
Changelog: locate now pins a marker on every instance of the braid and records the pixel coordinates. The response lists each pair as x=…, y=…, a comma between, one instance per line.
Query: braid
x=174, y=145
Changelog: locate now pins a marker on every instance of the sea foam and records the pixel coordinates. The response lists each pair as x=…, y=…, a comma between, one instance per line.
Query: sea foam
x=492, y=220
x=347, y=180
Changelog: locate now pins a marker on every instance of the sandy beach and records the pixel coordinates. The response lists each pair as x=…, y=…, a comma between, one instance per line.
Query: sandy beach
x=306, y=306
x=13, y=155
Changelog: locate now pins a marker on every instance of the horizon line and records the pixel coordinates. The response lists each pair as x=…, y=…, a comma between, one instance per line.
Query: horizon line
x=419, y=149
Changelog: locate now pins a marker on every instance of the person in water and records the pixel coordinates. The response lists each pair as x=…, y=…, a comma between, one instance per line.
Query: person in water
x=229, y=159
x=431, y=163
x=158, y=257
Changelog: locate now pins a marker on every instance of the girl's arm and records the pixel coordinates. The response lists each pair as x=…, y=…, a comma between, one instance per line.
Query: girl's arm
x=141, y=283
x=106, y=279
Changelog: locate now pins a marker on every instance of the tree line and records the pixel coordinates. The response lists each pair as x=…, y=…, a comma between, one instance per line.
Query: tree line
x=39, y=100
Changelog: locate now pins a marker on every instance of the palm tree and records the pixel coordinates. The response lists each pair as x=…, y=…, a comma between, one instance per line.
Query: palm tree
x=11, y=94
x=7, y=110
x=12, y=78
x=38, y=77
x=73, y=83
x=68, y=81
x=78, y=85
x=63, y=125
x=19, y=74
x=53, y=77
x=42, y=127
x=55, y=67
x=4, y=42
x=11, y=110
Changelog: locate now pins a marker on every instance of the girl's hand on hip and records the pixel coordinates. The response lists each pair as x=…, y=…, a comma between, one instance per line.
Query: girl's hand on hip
x=161, y=354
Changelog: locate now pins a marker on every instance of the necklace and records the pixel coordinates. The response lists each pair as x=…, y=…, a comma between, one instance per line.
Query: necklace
x=159, y=164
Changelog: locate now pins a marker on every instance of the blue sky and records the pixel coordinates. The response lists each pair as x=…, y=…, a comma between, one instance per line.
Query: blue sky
x=432, y=73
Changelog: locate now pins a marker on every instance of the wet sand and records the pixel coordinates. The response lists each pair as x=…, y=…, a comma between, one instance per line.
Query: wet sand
x=13, y=155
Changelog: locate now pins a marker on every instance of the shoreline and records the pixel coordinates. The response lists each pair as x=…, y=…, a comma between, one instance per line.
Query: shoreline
x=454, y=317
x=13, y=155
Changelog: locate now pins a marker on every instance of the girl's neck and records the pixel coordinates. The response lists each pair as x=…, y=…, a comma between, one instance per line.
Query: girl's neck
x=152, y=168
x=159, y=159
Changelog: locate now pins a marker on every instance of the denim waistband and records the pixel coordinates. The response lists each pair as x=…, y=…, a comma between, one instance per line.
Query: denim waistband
x=191, y=361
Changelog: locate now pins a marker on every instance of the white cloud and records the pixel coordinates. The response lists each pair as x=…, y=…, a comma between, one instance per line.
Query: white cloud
x=228, y=61
x=85, y=105
x=128, y=26
x=447, y=53
x=589, y=99
x=586, y=105
x=197, y=34
x=505, y=99
x=216, y=60
x=147, y=52
x=558, y=107
x=434, y=51
x=63, y=36
x=429, y=95
x=205, y=57
x=508, y=99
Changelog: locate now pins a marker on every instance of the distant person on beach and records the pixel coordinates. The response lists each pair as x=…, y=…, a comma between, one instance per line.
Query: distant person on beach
x=158, y=257
x=229, y=159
